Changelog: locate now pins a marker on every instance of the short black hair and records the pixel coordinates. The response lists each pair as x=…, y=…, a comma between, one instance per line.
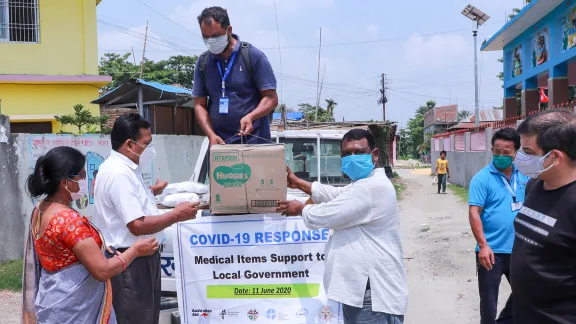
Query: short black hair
x=443, y=152
x=358, y=134
x=95, y=173
x=217, y=14
x=62, y=162
x=559, y=137
x=127, y=127
x=538, y=123
x=507, y=134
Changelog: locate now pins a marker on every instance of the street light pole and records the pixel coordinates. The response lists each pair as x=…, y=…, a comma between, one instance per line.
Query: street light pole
x=478, y=18
x=476, y=105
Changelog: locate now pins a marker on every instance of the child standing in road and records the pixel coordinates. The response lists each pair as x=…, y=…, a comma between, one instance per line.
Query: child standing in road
x=442, y=171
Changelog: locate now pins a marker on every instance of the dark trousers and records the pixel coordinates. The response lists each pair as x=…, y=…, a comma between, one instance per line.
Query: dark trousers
x=365, y=315
x=489, y=285
x=136, y=291
x=442, y=182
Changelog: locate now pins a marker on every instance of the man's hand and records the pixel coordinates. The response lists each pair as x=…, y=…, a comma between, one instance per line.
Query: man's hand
x=292, y=179
x=186, y=211
x=246, y=127
x=486, y=257
x=290, y=207
x=216, y=140
x=158, y=187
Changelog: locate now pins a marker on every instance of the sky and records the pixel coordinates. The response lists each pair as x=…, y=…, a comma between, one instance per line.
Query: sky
x=425, y=48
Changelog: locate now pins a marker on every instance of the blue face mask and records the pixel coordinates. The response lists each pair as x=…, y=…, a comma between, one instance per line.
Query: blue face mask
x=357, y=166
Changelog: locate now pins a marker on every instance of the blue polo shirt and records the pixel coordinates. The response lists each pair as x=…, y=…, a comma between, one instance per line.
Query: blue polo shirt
x=243, y=94
x=487, y=190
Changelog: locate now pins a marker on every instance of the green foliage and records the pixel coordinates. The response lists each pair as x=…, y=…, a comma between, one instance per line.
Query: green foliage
x=460, y=192
x=382, y=135
x=415, y=131
x=175, y=70
x=324, y=115
x=83, y=118
x=11, y=275
x=464, y=114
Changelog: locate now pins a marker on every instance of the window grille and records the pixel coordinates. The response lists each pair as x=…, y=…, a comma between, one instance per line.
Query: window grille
x=19, y=21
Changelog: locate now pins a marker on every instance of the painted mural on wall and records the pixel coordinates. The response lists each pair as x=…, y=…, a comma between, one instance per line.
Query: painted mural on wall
x=569, y=30
x=540, y=45
x=517, y=61
x=95, y=147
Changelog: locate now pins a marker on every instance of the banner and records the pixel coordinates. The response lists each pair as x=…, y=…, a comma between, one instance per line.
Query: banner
x=96, y=148
x=251, y=269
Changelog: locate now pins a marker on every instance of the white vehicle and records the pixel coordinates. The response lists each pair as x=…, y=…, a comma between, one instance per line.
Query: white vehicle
x=312, y=155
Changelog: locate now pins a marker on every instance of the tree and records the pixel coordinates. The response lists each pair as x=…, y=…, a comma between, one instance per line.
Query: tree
x=83, y=118
x=324, y=115
x=403, y=145
x=464, y=114
x=175, y=70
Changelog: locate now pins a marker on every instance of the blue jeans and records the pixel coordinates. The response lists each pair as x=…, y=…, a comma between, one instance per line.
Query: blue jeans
x=355, y=315
x=442, y=182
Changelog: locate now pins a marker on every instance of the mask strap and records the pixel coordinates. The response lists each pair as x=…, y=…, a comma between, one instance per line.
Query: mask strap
x=542, y=163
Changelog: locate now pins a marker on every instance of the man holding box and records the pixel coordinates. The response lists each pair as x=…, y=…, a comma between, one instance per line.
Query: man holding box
x=234, y=84
x=364, y=268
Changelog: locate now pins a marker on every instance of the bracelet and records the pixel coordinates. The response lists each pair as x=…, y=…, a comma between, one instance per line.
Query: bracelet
x=121, y=260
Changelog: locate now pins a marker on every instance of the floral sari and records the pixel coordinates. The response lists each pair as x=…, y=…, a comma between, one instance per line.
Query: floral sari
x=69, y=295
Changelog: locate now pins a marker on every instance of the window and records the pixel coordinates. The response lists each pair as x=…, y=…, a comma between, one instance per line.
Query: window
x=19, y=21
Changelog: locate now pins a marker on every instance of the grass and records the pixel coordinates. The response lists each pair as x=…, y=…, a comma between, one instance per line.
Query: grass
x=11, y=275
x=460, y=192
x=398, y=185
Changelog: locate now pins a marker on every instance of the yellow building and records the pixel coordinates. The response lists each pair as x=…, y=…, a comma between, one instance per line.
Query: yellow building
x=48, y=61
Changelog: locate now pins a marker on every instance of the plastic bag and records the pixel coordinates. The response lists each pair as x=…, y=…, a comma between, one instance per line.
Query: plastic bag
x=435, y=180
x=186, y=186
x=174, y=199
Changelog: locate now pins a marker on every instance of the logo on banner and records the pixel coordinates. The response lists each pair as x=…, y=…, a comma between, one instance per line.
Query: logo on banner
x=253, y=314
x=325, y=313
x=201, y=312
x=271, y=314
x=302, y=313
x=222, y=313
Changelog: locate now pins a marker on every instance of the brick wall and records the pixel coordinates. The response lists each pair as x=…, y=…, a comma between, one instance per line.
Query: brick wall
x=115, y=113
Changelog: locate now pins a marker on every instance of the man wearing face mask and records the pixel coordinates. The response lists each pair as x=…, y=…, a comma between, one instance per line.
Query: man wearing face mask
x=364, y=268
x=234, y=84
x=125, y=209
x=543, y=265
x=495, y=196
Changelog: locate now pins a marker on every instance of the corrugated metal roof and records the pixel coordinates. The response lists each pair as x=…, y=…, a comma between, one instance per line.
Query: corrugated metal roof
x=152, y=91
x=165, y=87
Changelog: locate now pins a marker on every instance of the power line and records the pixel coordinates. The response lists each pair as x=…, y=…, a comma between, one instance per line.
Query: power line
x=159, y=13
x=416, y=94
x=279, y=53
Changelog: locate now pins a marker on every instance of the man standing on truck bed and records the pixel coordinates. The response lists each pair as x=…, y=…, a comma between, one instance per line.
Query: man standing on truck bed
x=364, y=268
x=234, y=84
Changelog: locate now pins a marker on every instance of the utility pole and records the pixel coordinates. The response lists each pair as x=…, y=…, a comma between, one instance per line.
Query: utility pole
x=384, y=99
x=476, y=104
x=318, y=81
x=144, y=51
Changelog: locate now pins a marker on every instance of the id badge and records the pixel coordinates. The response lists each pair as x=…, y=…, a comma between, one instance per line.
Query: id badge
x=516, y=206
x=223, y=105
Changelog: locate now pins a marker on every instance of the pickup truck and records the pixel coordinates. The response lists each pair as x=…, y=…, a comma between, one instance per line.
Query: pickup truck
x=311, y=155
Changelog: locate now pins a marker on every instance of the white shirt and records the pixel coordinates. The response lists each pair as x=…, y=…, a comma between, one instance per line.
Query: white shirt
x=365, y=244
x=120, y=196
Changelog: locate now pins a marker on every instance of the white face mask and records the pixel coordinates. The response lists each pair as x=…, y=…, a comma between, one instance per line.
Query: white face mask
x=531, y=165
x=149, y=154
x=216, y=45
x=83, y=184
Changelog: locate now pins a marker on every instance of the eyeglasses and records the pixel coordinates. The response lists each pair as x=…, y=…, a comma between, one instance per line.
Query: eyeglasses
x=82, y=176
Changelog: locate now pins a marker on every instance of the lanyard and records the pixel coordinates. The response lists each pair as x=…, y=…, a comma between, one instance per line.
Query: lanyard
x=512, y=191
x=225, y=75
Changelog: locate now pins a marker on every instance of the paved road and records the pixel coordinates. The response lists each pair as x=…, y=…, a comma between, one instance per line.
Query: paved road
x=440, y=261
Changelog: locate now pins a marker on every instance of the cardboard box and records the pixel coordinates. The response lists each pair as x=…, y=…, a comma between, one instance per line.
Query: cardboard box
x=247, y=178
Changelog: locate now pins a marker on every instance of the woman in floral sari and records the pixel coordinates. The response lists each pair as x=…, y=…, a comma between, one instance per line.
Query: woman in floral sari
x=66, y=274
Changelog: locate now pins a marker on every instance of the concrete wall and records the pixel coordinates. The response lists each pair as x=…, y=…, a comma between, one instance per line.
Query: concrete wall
x=465, y=164
x=176, y=158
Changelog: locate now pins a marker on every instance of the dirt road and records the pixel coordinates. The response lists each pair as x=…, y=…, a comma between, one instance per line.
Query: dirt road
x=439, y=255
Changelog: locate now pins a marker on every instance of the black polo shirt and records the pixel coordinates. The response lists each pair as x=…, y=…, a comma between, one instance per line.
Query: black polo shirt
x=543, y=263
